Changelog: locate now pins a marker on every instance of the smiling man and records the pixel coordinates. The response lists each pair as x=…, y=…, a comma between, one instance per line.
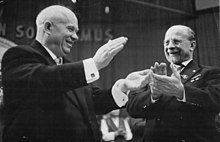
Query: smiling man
x=49, y=102
x=179, y=44
x=180, y=107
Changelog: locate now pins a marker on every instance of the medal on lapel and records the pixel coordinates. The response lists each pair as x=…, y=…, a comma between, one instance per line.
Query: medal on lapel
x=184, y=76
x=195, y=78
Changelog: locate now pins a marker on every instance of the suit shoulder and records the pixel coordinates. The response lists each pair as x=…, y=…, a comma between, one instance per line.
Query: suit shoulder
x=20, y=49
x=210, y=68
x=211, y=71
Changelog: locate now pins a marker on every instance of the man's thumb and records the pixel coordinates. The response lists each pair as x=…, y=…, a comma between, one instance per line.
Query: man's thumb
x=175, y=71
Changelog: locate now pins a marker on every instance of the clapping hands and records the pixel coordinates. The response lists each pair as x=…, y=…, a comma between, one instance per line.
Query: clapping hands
x=156, y=77
x=136, y=80
x=167, y=85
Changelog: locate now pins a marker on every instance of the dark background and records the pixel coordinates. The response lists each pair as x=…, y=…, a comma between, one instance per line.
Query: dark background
x=144, y=22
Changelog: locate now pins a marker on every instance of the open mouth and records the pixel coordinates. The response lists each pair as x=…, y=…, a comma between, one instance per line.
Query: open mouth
x=69, y=43
x=173, y=52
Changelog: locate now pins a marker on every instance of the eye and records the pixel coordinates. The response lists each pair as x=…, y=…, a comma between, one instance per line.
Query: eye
x=71, y=29
x=176, y=42
x=166, y=43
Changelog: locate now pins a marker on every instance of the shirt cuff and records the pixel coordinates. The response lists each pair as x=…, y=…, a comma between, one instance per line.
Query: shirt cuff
x=184, y=97
x=91, y=71
x=120, y=97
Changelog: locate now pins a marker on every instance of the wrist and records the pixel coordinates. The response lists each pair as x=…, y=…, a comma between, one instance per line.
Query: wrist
x=116, y=133
x=97, y=64
x=180, y=95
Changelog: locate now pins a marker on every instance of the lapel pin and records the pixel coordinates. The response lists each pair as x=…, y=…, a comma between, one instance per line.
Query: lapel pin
x=184, y=76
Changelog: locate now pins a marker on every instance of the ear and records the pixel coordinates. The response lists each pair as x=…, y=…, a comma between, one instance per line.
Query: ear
x=193, y=45
x=47, y=26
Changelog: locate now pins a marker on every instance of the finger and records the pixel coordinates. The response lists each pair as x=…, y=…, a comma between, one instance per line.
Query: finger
x=115, y=45
x=160, y=78
x=156, y=66
x=115, y=51
x=163, y=70
x=160, y=66
x=145, y=72
x=152, y=68
x=120, y=40
x=175, y=72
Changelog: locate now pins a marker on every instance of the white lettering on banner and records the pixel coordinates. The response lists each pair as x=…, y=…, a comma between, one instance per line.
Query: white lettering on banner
x=95, y=35
x=29, y=32
x=19, y=31
x=98, y=35
x=108, y=34
x=85, y=35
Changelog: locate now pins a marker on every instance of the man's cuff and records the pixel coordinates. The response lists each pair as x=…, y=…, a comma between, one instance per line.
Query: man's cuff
x=120, y=97
x=184, y=97
x=91, y=71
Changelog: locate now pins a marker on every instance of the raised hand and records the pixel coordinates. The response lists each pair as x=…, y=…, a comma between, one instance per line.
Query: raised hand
x=159, y=69
x=106, y=53
x=138, y=80
x=168, y=85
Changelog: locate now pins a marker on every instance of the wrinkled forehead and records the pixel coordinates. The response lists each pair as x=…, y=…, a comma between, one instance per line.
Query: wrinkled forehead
x=176, y=33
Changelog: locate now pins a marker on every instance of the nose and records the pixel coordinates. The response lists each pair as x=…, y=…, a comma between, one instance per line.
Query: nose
x=74, y=36
x=171, y=44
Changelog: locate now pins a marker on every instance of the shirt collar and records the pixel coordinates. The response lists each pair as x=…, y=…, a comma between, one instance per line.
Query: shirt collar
x=185, y=63
x=50, y=52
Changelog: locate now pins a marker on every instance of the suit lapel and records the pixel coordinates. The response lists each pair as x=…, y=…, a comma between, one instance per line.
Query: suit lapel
x=189, y=71
x=43, y=52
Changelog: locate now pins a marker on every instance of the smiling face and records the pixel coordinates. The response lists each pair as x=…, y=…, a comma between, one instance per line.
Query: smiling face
x=60, y=28
x=178, y=46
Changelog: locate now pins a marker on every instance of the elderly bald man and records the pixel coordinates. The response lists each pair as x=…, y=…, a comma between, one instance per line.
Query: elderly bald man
x=180, y=107
x=46, y=102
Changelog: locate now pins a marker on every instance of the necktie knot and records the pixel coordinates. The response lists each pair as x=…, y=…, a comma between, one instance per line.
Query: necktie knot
x=59, y=60
x=179, y=67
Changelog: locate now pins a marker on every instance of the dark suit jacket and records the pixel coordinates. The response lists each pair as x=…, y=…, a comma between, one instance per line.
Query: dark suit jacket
x=44, y=102
x=171, y=120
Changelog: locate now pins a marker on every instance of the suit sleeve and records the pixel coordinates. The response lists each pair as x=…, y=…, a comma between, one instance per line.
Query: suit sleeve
x=22, y=67
x=140, y=106
x=103, y=100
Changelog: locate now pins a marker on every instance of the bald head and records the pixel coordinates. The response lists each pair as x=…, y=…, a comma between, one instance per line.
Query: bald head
x=57, y=28
x=54, y=13
x=179, y=44
x=184, y=30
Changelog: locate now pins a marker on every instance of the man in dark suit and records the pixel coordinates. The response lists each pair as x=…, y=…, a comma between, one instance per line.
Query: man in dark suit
x=180, y=107
x=46, y=102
